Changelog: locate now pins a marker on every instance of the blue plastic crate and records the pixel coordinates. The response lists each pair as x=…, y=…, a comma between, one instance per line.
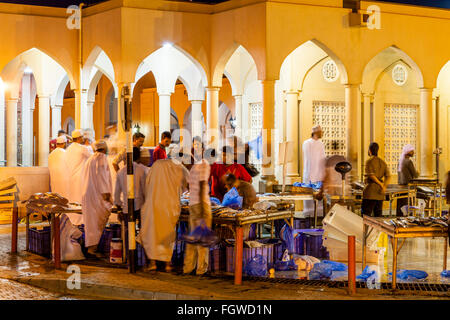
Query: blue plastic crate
x=217, y=258
x=40, y=241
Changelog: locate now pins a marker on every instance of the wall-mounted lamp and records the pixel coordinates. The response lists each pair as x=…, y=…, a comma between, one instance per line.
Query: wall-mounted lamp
x=136, y=128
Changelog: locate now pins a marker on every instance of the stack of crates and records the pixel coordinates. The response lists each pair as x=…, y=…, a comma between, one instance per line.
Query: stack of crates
x=217, y=258
x=40, y=241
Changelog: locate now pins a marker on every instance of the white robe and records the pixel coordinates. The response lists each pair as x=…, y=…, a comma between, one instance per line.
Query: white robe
x=76, y=156
x=313, y=171
x=96, y=181
x=57, y=167
x=161, y=210
x=313, y=160
x=120, y=191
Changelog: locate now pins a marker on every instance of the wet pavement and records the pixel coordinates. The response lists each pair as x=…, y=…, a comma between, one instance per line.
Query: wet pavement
x=116, y=283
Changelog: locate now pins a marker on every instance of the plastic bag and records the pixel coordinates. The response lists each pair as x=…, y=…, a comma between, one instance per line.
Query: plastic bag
x=305, y=262
x=232, y=199
x=201, y=235
x=445, y=273
x=367, y=272
x=410, y=274
x=215, y=201
x=256, y=266
x=321, y=271
x=287, y=237
x=69, y=235
x=337, y=266
x=264, y=205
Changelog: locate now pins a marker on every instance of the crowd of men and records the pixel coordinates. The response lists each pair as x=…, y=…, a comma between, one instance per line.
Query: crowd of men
x=94, y=174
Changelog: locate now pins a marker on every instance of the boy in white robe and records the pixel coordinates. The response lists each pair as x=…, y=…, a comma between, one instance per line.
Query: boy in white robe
x=96, y=200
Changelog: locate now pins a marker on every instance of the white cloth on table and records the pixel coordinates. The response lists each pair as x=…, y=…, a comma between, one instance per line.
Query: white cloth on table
x=161, y=209
x=120, y=191
x=57, y=167
x=96, y=211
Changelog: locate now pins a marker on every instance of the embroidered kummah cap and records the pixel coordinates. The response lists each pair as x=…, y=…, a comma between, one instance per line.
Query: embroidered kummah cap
x=77, y=133
x=316, y=129
x=61, y=139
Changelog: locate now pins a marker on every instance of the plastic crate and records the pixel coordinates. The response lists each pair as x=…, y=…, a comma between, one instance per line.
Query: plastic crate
x=178, y=253
x=303, y=223
x=141, y=257
x=40, y=241
x=217, y=258
x=266, y=251
x=339, y=223
x=310, y=242
x=277, y=248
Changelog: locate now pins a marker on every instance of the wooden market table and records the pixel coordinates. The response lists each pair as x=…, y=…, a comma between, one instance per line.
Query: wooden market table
x=393, y=192
x=377, y=223
x=237, y=223
x=55, y=231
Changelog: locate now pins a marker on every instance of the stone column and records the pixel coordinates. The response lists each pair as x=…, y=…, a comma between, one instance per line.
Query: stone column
x=238, y=115
x=292, y=130
x=212, y=115
x=164, y=113
x=268, y=161
x=2, y=132
x=78, y=113
x=11, y=132
x=366, y=128
x=426, y=126
x=56, y=120
x=90, y=114
x=27, y=122
x=44, y=129
x=353, y=113
x=196, y=118
x=120, y=100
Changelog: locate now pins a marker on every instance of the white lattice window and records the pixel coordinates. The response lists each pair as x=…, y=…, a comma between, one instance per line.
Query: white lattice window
x=330, y=115
x=330, y=71
x=400, y=128
x=256, y=117
x=399, y=74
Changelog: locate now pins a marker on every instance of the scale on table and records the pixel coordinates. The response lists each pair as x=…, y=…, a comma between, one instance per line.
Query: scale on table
x=343, y=168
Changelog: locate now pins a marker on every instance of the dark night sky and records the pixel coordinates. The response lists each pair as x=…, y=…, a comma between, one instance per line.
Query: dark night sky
x=66, y=3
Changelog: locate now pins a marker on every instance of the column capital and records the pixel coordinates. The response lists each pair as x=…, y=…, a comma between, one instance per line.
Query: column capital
x=351, y=85
x=164, y=94
x=238, y=96
x=56, y=107
x=426, y=90
x=292, y=91
x=43, y=96
x=16, y=100
x=212, y=88
x=196, y=101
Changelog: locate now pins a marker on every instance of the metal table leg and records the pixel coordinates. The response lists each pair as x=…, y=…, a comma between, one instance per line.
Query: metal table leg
x=238, y=253
x=14, y=229
x=364, y=251
x=27, y=229
x=445, y=253
x=315, y=214
x=56, y=242
x=394, y=263
x=271, y=230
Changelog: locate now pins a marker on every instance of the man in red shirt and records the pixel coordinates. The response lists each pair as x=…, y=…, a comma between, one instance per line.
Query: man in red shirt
x=160, y=151
x=220, y=170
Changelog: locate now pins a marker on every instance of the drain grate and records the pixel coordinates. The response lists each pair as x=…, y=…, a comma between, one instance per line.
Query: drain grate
x=406, y=286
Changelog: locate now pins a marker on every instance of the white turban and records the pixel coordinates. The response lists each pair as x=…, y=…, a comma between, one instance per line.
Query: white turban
x=316, y=129
x=100, y=144
x=406, y=149
x=61, y=139
x=145, y=153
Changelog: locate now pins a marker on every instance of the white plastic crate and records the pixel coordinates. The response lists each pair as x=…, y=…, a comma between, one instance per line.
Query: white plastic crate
x=340, y=223
x=375, y=256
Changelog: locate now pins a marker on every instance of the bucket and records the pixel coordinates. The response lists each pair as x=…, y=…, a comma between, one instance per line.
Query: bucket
x=115, y=253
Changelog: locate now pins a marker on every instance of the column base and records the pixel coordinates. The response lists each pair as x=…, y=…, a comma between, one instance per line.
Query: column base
x=266, y=183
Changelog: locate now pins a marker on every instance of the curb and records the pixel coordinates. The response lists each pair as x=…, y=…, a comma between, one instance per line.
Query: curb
x=104, y=291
